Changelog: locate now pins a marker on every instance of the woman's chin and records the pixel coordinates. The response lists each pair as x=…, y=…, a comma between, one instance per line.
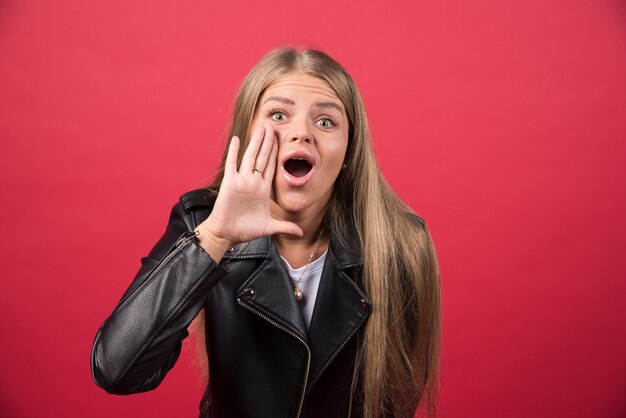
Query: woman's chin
x=292, y=205
x=298, y=204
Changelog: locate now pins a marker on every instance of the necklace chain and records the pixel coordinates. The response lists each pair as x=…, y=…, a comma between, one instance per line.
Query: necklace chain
x=296, y=290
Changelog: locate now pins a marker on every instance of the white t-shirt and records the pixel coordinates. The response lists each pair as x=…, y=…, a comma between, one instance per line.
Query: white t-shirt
x=308, y=285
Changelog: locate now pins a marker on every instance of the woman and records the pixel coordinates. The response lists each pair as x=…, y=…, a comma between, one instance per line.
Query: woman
x=317, y=287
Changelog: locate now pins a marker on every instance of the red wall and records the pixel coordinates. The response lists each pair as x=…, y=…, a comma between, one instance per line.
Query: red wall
x=502, y=124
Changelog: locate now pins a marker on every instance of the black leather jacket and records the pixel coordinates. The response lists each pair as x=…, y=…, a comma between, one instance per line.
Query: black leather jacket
x=263, y=361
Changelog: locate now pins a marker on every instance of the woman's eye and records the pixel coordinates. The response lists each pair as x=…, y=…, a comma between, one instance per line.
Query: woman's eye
x=326, y=123
x=277, y=116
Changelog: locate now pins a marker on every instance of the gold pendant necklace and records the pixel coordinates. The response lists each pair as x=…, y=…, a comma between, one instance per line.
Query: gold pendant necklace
x=296, y=290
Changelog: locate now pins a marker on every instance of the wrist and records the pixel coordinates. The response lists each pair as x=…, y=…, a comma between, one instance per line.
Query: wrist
x=214, y=244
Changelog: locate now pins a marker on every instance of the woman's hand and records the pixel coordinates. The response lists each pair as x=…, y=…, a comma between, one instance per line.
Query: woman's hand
x=241, y=212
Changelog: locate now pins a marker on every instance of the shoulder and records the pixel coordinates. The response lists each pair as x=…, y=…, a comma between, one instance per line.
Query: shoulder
x=191, y=209
x=199, y=198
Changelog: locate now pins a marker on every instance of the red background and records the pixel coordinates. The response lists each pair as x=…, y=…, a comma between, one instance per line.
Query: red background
x=502, y=123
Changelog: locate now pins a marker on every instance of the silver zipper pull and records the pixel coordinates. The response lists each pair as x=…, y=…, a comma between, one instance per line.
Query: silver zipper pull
x=185, y=237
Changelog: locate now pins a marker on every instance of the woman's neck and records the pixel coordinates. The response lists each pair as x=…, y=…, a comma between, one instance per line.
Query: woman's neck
x=299, y=251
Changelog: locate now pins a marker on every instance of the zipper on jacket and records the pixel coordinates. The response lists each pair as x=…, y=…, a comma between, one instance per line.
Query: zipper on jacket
x=177, y=248
x=178, y=245
x=186, y=236
x=288, y=331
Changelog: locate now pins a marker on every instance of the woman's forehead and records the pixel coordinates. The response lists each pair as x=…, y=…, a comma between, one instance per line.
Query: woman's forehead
x=298, y=85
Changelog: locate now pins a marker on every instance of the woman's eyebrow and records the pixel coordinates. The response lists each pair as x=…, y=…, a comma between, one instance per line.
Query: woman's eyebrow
x=329, y=104
x=280, y=99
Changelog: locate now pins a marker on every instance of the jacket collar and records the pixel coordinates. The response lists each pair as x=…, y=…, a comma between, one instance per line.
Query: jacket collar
x=262, y=248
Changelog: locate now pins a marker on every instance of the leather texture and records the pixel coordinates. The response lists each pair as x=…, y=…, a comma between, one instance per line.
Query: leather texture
x=263, y=362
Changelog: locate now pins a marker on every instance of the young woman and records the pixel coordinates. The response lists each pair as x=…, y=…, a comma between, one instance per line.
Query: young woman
x=317, y=288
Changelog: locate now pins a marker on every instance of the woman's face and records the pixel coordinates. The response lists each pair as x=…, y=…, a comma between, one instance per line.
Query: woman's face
x=311, y=126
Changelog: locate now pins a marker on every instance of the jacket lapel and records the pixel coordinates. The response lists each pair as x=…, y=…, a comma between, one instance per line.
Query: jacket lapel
x=269, y=290
x=341, y=308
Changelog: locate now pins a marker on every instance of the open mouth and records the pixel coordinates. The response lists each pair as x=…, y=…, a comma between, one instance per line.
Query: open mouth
x=298, y=166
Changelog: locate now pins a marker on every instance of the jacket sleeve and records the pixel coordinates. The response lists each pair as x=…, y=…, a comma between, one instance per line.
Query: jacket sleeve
x=140, y=342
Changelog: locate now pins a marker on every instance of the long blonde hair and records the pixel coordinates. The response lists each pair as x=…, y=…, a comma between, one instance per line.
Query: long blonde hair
x=398, y=362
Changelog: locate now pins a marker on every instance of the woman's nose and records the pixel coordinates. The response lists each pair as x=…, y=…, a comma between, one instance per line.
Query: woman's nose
x=300, y=131
x=301, y=135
